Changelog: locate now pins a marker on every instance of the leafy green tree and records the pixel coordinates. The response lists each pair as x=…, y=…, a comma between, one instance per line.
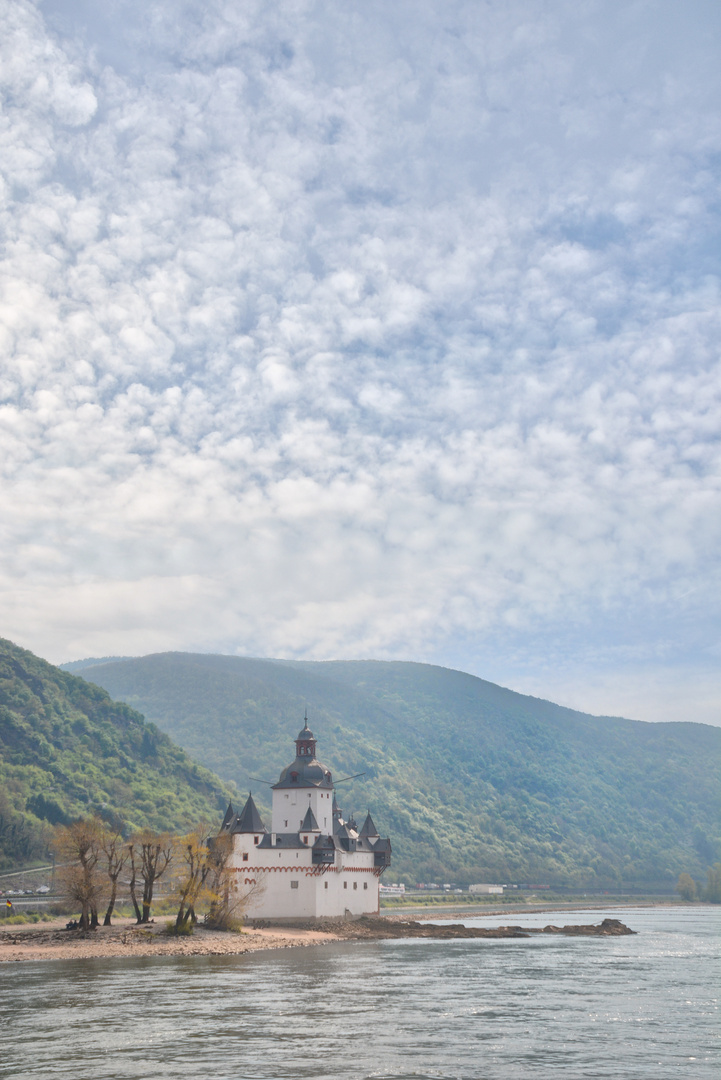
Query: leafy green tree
x=686, y=887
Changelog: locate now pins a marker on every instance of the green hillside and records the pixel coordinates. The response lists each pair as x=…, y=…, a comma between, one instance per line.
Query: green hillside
x=472, y=782
x=67, y=750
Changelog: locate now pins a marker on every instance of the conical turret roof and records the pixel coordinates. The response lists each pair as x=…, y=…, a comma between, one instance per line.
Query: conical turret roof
x=309, y=822
x=368, y=828
x=229, y=815
x=249, y=820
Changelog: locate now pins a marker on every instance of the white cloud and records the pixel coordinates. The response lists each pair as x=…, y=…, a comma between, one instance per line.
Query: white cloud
x=356, y=329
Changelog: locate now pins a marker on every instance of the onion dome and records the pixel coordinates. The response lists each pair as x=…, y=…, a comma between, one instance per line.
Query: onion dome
x=306, y=771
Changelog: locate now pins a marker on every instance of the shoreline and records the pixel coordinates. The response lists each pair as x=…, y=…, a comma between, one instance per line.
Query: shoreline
x=38, y=942
x=52, y=942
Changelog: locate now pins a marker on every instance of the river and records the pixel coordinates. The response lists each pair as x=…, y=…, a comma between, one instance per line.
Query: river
x=643, y=1006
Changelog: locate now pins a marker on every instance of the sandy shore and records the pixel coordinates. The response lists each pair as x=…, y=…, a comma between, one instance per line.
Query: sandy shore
x=50, y=941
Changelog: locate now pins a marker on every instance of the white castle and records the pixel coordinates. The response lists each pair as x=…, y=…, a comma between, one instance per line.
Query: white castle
x=312, y=863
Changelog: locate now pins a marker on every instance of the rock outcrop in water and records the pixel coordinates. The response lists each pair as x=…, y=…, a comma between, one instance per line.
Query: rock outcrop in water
x=375, y=928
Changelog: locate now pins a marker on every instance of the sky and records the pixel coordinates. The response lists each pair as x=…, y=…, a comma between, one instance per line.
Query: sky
x=349, y=329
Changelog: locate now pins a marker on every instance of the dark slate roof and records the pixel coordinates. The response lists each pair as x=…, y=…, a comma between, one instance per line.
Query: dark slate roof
x=249, y=820
x=284, y=840
x=308, y=772
x=229, y=815
x=345, y=831
x=309, y=822
x=368, y=828
x=306, y=733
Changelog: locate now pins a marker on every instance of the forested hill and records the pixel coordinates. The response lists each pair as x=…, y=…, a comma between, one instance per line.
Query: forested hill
x=67, y=750
x=472, y=782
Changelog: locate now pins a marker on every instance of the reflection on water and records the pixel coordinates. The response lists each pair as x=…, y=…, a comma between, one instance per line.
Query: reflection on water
x=643, y=1006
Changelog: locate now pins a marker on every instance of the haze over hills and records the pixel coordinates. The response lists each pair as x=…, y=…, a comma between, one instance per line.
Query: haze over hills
x=471, y=780
x=67, y=750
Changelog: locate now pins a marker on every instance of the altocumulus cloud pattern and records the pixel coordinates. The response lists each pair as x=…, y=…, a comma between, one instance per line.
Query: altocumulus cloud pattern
x=367, y=329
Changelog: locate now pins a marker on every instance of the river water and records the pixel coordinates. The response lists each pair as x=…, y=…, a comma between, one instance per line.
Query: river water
x=643, y=1006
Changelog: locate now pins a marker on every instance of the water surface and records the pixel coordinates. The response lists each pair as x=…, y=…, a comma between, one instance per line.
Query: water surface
x=643, y=1006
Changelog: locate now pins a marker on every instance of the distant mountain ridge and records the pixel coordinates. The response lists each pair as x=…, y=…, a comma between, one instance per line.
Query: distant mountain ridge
x=67, y=750
x=471, y=780
x=92, y=661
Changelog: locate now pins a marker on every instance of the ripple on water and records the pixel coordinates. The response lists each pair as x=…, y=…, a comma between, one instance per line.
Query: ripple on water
x=621, y=1008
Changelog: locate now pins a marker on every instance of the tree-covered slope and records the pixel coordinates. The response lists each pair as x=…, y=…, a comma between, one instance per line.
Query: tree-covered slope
x=472, y=781
x=68, y=750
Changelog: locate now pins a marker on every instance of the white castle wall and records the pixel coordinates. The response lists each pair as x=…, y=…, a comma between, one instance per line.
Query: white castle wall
x=268, y=874
x=290, y=806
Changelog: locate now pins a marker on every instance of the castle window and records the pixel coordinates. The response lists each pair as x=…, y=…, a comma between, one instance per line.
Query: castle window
x=245, y=856
x=285, y=822
x=305, y=839
x=294, y=884
x=365, y=884
x=355, y=884
x=256, y=839
x=326, y=884
x=345, y=884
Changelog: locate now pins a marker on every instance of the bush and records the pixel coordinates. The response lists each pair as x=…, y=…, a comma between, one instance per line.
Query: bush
x=28, y=917
x=179, y=931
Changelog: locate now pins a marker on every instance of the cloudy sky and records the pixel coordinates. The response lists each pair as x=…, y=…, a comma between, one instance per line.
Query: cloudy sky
x=357, y=328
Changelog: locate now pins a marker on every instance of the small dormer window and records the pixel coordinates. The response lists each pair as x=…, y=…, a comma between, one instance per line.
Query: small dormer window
x=294, y=777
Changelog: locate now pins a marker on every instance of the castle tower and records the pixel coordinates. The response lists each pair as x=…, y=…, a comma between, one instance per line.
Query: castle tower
x=304, y=785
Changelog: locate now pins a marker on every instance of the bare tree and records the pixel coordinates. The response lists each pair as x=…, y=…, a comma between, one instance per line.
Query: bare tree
x=79, y=847
x=155, y=853
x=231, y=893
x=116, y=856
x=195, y=877
x=133, y=855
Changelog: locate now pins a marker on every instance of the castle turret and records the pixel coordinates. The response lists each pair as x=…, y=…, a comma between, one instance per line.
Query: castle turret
x=305, y=742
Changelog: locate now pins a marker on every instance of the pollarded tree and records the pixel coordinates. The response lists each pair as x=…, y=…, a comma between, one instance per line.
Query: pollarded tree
x=115, y=856
x=133, y=853
x=155, y=854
